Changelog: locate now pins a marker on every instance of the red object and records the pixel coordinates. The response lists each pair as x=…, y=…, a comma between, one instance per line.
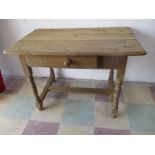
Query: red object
x=2, y=87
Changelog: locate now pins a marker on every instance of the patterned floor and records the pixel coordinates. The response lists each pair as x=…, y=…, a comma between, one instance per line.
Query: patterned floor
x=82, y=114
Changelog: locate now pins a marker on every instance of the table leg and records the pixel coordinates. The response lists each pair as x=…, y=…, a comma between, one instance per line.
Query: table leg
x=29, y=74
x=117, y=86
x=111, y=82
x=52, y=74
x=40, y=99
x=111, y=77
x=39, y=102
x=48, y=84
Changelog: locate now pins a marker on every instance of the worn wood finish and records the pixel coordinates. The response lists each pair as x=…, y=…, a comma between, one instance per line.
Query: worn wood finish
x=29, y=74
x=48, y=84
x=39, y=102
x=78, y=42
x=61, y=62
x=52, y=74
x=79, y=90
x=108, y=62
x=117, y=85
x=111, y=77
x=111, y=82
x=102, y=62
x=95, y=48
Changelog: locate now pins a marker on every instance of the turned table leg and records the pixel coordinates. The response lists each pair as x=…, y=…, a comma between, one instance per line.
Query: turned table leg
x=39, y=102
x=111, y=77
x=52, y=74
x=29, y=74
x=40, y=99
x=111, y=82
x=48, y=84
x=117, y=86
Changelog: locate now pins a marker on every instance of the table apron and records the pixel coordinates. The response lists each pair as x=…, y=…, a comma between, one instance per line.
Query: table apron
x=81, y=62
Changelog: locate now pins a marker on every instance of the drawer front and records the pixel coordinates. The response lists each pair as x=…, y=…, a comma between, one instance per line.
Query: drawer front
x=62, y=61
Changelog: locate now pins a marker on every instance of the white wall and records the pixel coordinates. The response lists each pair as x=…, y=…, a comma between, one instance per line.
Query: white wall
x=138, y=69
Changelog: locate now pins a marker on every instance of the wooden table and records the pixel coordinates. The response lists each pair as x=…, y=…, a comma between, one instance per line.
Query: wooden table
x=86, y=48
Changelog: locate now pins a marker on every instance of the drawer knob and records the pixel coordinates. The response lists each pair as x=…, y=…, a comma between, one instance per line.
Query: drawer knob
x=68, y=62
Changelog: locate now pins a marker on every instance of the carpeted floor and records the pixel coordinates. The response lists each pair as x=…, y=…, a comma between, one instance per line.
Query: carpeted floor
x=82, y=114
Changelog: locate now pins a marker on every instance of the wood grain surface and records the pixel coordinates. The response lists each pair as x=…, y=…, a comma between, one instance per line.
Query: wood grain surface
x=116, y=41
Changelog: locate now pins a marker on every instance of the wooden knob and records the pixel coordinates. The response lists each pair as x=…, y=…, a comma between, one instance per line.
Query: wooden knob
x=67, y=62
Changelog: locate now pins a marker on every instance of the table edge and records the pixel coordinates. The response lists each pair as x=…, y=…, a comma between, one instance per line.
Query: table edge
x=137, y=53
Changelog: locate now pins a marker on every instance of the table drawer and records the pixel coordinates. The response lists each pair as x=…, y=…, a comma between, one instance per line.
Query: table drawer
x=62, y=61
